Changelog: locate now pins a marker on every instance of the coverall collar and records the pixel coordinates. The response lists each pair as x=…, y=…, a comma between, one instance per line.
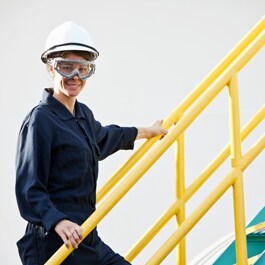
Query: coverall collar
x=59, y=108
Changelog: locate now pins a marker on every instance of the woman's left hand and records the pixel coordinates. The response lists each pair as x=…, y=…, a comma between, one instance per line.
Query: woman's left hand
x=152, y=131
x=69, y=232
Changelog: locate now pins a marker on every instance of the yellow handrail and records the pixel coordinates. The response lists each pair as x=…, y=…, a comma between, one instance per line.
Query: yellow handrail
x=225, y=74
x=184, y=105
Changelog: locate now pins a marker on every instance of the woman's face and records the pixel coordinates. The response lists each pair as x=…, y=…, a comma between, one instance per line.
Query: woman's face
x=64, y=86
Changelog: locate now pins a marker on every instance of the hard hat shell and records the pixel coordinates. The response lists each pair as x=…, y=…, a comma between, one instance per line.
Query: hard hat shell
x=69, y=37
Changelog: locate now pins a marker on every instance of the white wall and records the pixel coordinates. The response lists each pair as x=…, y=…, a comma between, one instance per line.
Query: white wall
x=152, y=54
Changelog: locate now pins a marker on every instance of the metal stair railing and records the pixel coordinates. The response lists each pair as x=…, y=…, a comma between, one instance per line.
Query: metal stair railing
x=239, y=163
x=193, y=188
x=225, y=74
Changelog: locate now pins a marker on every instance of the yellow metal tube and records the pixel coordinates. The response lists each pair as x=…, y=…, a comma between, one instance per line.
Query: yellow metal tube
x=256, y=119
x=189, y=223
x=236, y=153
x=240, y=224
x=255, y=228
x=180, y=192
x=254, y=151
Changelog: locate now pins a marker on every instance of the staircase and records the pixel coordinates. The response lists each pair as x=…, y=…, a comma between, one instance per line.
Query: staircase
x=255, y=244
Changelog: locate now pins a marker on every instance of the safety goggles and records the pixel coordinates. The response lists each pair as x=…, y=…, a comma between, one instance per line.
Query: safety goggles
x=69, y=68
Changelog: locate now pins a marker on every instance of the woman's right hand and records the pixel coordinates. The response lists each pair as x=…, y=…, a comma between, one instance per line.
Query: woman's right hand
x=69, y=232
x=152, y=131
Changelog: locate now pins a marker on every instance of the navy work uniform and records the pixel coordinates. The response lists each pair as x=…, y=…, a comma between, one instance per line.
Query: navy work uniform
x=56, y=175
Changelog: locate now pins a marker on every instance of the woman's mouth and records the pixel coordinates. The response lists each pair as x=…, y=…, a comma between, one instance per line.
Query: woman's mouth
x=73, y=85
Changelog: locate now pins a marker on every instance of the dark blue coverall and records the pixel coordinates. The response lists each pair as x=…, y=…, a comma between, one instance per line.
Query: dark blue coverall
x=56, y=175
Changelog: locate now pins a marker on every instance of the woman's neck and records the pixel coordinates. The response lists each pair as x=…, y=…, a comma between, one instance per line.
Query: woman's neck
x=68, y=102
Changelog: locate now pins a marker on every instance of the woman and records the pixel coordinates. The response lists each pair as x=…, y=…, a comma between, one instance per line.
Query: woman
x=59, y=146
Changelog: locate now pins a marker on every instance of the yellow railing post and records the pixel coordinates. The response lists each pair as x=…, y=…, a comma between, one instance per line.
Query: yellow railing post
x=180, y=192
x=240, y=223
x=236, y=159
x=236, y=153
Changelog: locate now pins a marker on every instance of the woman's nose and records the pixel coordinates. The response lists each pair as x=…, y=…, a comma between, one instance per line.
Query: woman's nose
x=76, y=76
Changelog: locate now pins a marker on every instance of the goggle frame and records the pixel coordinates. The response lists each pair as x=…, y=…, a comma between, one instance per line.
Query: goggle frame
x=55, y=62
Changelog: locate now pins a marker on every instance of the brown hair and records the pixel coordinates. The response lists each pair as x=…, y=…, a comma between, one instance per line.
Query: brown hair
x=85, y=54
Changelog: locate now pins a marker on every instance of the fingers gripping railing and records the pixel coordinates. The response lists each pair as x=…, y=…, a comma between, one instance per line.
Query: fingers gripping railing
x=221, y=76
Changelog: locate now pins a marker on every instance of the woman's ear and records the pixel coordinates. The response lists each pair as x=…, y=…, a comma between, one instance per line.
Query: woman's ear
x=51, y=70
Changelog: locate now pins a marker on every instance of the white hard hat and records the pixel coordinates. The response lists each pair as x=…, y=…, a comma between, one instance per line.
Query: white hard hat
x=69, y=37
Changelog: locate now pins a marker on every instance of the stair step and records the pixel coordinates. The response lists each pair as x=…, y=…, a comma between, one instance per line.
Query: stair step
x=255, y=243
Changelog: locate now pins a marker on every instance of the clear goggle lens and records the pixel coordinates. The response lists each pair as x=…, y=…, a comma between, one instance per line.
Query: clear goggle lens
x=69, y=68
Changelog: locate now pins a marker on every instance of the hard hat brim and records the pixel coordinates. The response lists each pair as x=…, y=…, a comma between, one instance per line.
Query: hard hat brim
x=69, y=47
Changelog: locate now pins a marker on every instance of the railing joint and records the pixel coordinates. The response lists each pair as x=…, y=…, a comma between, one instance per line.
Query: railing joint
x=238, y=166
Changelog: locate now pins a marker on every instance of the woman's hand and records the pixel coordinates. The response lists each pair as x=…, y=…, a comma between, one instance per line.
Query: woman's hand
x=151, y=131
x=69, y=231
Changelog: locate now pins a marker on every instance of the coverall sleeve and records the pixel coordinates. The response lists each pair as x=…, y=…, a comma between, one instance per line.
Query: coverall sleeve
x=32, y=174
x=112, y=138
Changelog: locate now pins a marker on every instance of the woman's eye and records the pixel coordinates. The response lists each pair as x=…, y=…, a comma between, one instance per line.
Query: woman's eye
x=67, y=68
x=83, y=69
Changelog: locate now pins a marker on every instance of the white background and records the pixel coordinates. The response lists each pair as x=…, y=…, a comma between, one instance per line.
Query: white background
x=152, y=54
